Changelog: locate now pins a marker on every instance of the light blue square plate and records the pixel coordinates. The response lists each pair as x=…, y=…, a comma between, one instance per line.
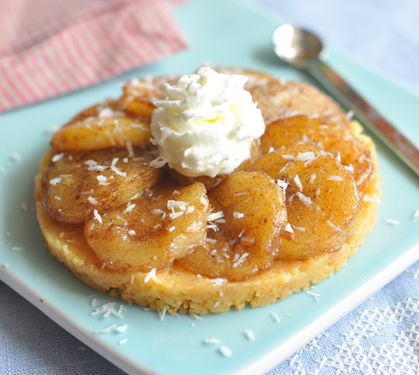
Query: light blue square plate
x=223, y=33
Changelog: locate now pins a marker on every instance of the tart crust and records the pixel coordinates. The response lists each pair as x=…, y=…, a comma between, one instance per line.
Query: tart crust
x=176, y=290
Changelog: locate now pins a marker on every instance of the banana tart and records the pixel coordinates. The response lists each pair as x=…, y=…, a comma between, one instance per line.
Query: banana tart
x=207, y=191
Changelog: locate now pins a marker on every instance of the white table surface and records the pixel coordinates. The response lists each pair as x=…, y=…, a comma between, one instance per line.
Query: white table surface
x=382, y=34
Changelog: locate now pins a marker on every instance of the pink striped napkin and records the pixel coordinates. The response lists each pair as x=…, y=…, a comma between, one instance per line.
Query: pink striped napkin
x=52, y=47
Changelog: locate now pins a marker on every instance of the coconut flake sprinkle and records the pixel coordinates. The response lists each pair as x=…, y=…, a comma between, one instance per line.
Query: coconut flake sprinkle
x=306, y=200
x=333, y=225
x=226, y=352
x=57, y=157
x=97, y=216
x=55, y=181
x=150, y=275
x=298, y=182
x=116, y=170
x=250, y=335
x=240, y=260
x=212, y=341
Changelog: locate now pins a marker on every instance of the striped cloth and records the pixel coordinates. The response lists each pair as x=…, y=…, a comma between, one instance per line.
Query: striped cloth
x=52, y=47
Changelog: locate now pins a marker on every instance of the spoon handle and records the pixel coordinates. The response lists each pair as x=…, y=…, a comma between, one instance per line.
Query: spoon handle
x=367, y=114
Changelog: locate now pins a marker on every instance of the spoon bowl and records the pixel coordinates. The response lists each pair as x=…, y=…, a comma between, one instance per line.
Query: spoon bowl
x=296, y=46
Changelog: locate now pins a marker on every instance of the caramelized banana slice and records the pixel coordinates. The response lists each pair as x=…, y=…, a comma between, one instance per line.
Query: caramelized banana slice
x=139, y=94
x=322, y=200
x=335, y=139
x=78, y=183
x=278, y=98
x=245, y=225
x=153, y=230
x=105, y=130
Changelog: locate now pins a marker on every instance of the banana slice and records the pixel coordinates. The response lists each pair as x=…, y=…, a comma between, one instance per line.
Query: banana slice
x=322, y=200
x=335, y=139
x=78, y=183
x=105, y=129
x=152, y=231
x=139, y=94
x=279, y=98
x=244, y=228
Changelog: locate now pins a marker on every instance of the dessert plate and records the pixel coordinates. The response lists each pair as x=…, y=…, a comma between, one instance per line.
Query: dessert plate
x=172, y=345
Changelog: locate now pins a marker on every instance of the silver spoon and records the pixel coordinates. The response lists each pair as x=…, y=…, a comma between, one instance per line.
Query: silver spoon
x=304, y=50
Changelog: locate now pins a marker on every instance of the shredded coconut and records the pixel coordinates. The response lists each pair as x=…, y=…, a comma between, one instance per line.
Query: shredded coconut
x=215, y=216
x=306, y=200
x=93, y=201
x=158, y=211
x=130, y=207
x=121, y=329
x=102, y=180
x=350, y=114
x=276, y=317
x=109, y=112
x=150, y=275
x=312, y=178
x=250, y=335
x=391, y=221
x=131, y=232
x=57, y=157
x=107, y=309
x=240, y=260
x=218, y=282
x=189, y=210
x=128, y=145
x=298, y=182
x=350, y=168
x=162, y=314
x=115, y=169
x=238, y=215
x=55, y=181
x=212, y=341
x=106, y=330
x=288, y=228
x=305, y=156
x=226, y=352
x=335, y=178
x=123, y=341
x=316, y=295
x=333, y=225
x=282, y=184
x=97, y=216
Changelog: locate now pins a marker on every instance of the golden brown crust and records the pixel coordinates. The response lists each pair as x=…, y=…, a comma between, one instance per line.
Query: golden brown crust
x=175, y=289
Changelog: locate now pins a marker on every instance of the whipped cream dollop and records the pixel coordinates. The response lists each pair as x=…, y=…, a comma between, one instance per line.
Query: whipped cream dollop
x=206, y=124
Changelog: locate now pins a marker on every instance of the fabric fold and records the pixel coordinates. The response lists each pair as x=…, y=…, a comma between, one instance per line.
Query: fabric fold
x=66, y=46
